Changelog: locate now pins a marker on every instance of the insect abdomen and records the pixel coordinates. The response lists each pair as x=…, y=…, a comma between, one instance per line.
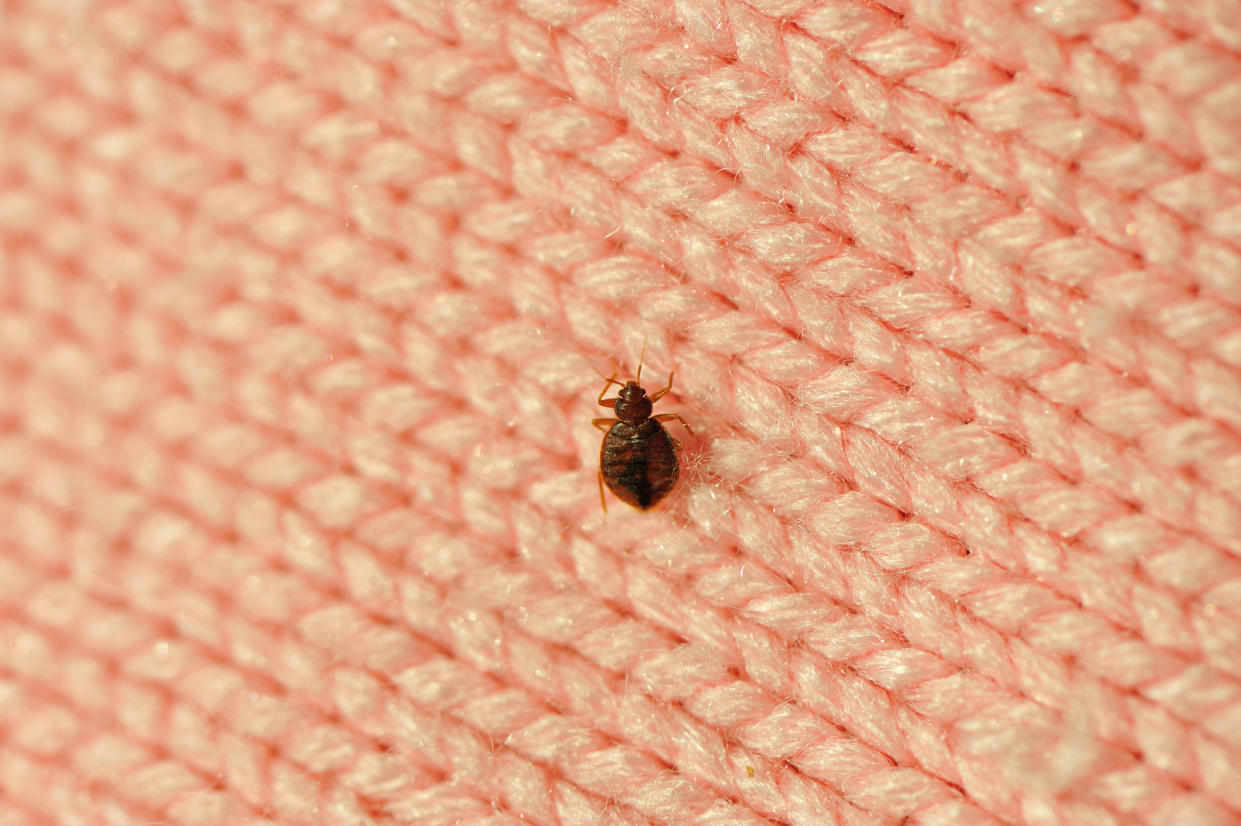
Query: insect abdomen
x=639, y=463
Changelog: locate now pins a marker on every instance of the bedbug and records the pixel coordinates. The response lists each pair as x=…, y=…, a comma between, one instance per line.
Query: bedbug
x=638, y=457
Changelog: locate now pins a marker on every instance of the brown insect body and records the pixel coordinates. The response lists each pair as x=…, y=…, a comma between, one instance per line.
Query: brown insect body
x=638, y=458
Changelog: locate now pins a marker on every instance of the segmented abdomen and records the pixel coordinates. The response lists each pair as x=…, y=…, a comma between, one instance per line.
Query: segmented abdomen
x=639, y=464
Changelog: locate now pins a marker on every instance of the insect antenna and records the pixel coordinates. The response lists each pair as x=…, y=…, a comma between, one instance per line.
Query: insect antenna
x=637, y=379
x=600, y=372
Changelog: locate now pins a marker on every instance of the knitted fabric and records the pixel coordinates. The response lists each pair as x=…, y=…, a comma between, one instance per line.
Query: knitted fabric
x=303, y=306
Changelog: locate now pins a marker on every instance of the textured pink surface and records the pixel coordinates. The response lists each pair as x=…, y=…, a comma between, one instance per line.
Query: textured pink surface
x=299, y=303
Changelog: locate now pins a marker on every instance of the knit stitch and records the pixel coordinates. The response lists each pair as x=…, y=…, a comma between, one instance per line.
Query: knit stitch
x=302, y=309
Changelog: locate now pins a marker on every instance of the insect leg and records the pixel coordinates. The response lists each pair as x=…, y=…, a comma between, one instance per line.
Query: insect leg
x=667, y=417
x=603, y=424
x=608, y=402
x=603, y=503
x=659, y=394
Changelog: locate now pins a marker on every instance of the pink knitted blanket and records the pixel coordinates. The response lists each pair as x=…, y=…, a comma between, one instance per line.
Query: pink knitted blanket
x=303, y=310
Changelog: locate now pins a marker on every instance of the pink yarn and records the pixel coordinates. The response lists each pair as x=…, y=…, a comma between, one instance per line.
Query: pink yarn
x=299, y=305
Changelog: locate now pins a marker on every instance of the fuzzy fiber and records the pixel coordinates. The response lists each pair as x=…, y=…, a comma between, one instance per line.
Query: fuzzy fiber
x=303, y=305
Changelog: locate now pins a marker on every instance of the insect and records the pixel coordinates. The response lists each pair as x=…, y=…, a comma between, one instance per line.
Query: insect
x=638, y=458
